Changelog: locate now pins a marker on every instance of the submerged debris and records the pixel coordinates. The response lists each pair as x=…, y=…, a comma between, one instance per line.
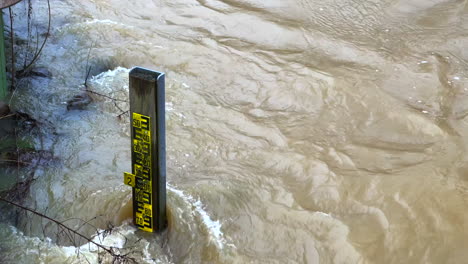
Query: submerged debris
x=79, y=102
x=26, y=121
x=36, y=72
x=4, y=109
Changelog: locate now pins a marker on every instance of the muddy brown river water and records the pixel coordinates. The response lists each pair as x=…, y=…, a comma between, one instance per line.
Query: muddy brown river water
x=298, y=131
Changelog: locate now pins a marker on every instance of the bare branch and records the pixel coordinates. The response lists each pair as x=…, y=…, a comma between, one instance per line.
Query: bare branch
x=106, y=96
x=14, y=161
x=12, y=39
x=114, y=101
x=88, y=68
x=117, y=257
x=108, y=250
x=38, y=53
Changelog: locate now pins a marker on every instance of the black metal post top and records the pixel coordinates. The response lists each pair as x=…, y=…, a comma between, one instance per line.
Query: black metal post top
x=145, y=74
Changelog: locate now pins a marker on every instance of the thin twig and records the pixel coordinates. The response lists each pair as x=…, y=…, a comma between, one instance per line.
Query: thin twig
x=28, y=44
x=84, y=223
x=114, y=101
x=88, y=72
x=88, y=68
x=106, y=96
x=123, y=113
x=17, y=154
x=12, y=39
x=9, y=115
x=15, y=161
x=108, y=250
x=117, y=257
x=38, y=53
x=42, y=225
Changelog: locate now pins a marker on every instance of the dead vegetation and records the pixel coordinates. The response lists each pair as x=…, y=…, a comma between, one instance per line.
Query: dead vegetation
x=20, y=153
x=74, y=237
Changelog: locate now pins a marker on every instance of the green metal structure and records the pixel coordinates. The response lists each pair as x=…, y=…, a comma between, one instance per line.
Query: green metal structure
x=3, y=81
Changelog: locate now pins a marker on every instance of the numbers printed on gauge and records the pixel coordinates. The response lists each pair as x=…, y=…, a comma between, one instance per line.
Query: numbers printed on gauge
x=141, y=179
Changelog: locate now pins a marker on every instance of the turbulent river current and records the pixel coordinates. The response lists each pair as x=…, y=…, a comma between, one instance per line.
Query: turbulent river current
x=298, y=131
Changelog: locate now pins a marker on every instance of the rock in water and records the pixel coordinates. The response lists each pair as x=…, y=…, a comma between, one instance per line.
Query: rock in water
x=79, y=102
x=42, y=72
x=36, y=72
x=4, y=109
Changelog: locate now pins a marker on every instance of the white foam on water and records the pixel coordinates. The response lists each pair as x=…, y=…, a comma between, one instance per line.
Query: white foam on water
x=213, y=227
x=69, y=251
x=93, y=23
x=45, y=249
x=103, y=77
x=105, y=22
x=169, y=106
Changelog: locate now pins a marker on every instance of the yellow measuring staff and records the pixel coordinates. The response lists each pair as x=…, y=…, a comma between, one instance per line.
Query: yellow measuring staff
x=141, y=178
